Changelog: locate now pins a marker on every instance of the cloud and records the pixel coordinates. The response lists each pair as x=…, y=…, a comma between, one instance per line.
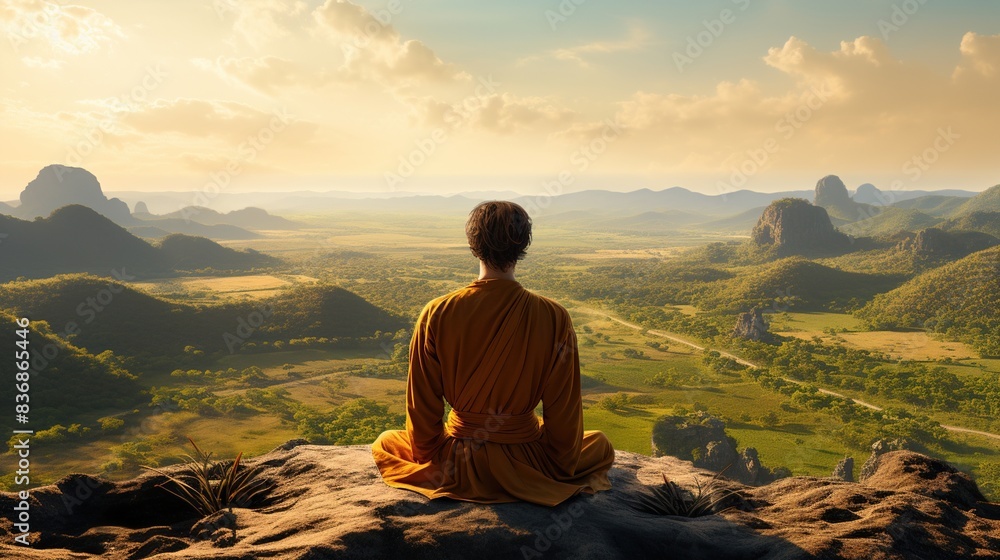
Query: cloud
x=267, y=74
x=980, y=56
x=260, y=22
x=636, y=39
x=228, y=121
x=506, y=113
x=43, y=63
x=68, y=29
x=855, y=107
x=502, y=113
x=374, y=50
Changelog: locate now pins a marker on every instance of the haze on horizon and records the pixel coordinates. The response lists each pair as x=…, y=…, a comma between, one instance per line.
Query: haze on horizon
x=711, y=96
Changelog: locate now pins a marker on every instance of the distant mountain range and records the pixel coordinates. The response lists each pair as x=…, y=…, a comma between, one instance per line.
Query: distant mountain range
x=76, y=238
x=249, y=218
x=866, y=211
x=675, y=198
x=57, y=186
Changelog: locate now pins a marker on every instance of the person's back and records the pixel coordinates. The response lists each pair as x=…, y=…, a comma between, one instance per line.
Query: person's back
x=494, y=350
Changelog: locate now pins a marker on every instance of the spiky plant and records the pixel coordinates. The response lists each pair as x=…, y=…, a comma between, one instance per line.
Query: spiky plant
x=209, y=486
x=670, y=499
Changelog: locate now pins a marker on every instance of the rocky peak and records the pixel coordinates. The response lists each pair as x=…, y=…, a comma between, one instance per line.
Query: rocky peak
x=870, y=194
x=58, y=185
x=793, y=226
x=831, y=192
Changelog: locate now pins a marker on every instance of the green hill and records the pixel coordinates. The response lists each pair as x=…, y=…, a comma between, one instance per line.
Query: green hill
x=109, y=315
x=891, y=220
x=185, y=252
x=742, y=222
x=72, y=239
x=795, y=283
x=960, y=299
x=984, y=222
x=934, y=204
x=76, y=238
x=327, y=311
x=66, y=382
x=986, y=201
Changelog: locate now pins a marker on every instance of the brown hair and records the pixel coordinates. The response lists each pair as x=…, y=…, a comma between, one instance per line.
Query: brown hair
x=499, y=233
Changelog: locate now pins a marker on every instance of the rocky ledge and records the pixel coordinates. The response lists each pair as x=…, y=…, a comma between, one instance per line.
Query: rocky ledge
x=329, y=502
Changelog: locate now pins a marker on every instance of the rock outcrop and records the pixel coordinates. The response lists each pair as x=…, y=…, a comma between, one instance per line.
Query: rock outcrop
x=141, y=208
x=752, y=326
x=678, y=436
x=844, y=469
x=793, y=226
x=831, y=194
x=937, y=244
x=329, y=502
x=879, y=448
x=701, y=438
x=58, y=185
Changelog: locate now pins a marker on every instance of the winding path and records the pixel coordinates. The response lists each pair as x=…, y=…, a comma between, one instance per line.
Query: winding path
x=679, y=340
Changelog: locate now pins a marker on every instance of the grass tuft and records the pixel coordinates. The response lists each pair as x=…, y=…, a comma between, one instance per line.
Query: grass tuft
x=209, y=486
x=671, y=499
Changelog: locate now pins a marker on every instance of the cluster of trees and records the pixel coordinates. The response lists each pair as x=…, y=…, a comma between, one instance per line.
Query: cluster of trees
x=671, y=378
x=67, y=383
x=922, y=385
x=397, y=366
x=789, y=283
x=253, y=375
x=355, y=422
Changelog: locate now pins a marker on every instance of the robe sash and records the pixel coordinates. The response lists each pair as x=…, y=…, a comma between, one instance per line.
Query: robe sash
x=496, y=428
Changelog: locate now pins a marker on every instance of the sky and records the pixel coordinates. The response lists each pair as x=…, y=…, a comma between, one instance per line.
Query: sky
x=443, y=96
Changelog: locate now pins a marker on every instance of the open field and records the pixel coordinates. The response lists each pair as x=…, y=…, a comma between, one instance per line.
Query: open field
x=849, y=331
x=254, y=286
x=813, y=323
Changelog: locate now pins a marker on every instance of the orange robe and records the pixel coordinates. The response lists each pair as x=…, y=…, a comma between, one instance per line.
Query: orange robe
x=494, y=350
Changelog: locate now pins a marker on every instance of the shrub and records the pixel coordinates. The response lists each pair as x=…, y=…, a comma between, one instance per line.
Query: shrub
x=111, y=424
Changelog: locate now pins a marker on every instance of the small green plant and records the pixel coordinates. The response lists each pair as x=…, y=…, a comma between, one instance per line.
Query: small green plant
x=209, y=486
x=670, y=499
